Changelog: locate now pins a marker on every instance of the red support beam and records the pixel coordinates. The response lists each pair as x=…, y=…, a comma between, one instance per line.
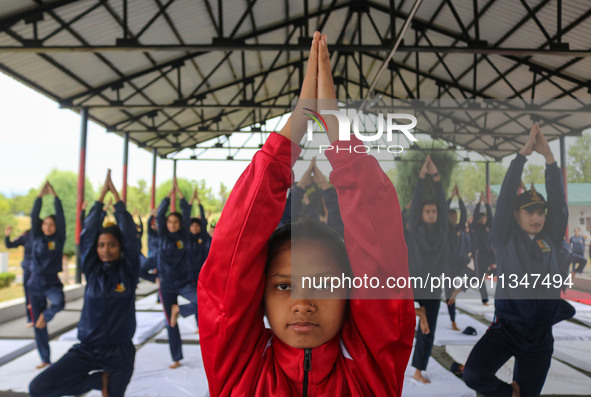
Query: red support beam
x=125, y=163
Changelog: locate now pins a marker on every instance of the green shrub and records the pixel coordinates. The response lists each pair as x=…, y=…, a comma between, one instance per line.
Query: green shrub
x=6, y=279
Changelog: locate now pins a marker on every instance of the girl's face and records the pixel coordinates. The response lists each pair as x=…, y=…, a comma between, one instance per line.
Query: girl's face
x=195, y=228
x=48, y=226
x=173, y=223
x=108, y=248
x=311, y=317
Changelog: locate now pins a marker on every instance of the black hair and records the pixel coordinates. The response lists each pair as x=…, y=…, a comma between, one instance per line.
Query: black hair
x=177, y=215
x=312, y=231
x=195, y=220
x=50, y=216
x=453, y=212
x=428, y=202
x=113, y=230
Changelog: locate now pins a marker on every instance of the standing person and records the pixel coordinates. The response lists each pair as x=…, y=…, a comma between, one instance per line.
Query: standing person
x=527, y=235
x=484, y=256
x=48, y=239
x=315, y=347
x=577, y=256
x=174, y=268
x=24, y=240
x=104, y=358
x=458, y=251
x=427, y=254
x=199, y=240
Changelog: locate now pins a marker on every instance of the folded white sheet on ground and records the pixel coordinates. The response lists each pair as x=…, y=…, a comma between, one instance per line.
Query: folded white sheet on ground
x=561, y=380
x=583, y=317
x=148, y=324
x=13, y=348
x=474, y=306
x=187, y=327
x=575, y=353
x=564, y=330
x=580, y=307
x=445, y=335
x=16, y=375
x=443, y=383
x=152, y=377
x=149, y=303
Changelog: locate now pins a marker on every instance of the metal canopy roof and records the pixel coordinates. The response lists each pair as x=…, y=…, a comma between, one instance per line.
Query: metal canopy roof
x=176, y=74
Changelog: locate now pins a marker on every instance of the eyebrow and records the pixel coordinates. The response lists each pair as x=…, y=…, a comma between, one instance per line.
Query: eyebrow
x=281, y=275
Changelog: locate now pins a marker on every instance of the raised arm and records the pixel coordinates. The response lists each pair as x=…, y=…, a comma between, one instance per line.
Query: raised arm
x=129, y=241
x=36, y=211
x=416, y=203
x=489, y=215
x=232, y=281
x=504, y=219
x=60, y=220
x=382, y=328
x=463, y=213
x=88, y=237
x=161, y=214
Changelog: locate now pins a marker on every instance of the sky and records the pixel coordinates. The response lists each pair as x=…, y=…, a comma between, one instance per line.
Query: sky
x=37, y=136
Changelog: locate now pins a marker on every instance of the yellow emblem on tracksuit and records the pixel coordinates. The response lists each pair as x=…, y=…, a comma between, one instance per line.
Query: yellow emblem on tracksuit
x=51, y=245
x=120, y=287
x=179, y=244
x=544, y=246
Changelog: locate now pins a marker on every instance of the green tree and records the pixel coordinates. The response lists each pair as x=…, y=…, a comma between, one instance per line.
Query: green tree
x=22, y=204
x=210, y=203
x=65, y=184
x=579, y=159
x=408, y=170
x=138, y=197
x=224, y=194
x=471, y=178
x=533, y=173
x=6, y=217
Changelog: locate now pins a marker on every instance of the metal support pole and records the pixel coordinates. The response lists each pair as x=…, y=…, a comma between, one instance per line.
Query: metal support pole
x=125, y=162
x=564, y=174
x=80, y=191
x=173, y=198
x=153, y=190
x=488, y=198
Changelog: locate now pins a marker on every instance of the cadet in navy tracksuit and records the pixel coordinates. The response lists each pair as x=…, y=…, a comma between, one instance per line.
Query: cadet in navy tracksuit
x=148, y=266
x=484, y=256
x=26, y=241
x=458, y=251
x=105, y=356
x=577, y=256
x=174, y=268
x=199, y=241
x=427, y=253
x=48, y=239
x=527, y=241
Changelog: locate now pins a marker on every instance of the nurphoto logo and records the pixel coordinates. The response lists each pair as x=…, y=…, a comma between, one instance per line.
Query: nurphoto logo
x=388, y=123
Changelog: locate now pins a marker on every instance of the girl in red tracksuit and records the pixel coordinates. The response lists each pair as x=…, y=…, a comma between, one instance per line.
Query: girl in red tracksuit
x=315, y=347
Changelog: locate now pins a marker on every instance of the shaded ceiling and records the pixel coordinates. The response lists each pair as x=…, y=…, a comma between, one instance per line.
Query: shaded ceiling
x=178, y=74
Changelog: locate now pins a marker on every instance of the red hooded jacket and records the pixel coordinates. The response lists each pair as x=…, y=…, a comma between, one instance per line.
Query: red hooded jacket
x=370, y=354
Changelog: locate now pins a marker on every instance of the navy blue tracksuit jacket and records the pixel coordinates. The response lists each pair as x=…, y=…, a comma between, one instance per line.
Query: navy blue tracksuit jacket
x=173, y=259
x=518, y=254
x=108, y=315
x=46, y=259
x=482, y=250
x=198, y=247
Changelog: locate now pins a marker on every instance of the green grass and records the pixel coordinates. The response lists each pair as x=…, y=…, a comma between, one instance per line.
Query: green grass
x=12, y=292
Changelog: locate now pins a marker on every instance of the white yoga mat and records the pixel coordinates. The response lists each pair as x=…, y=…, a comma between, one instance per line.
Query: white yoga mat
x=16, y=375
x=148, y=324
x=152, y=377
x=475, y=306
x=561, y=380
x=580, y=307
x=149, y=303
x=445, y=335
x=575, y=353
x=13, y=348
x=443, y=383
x=564, y=330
